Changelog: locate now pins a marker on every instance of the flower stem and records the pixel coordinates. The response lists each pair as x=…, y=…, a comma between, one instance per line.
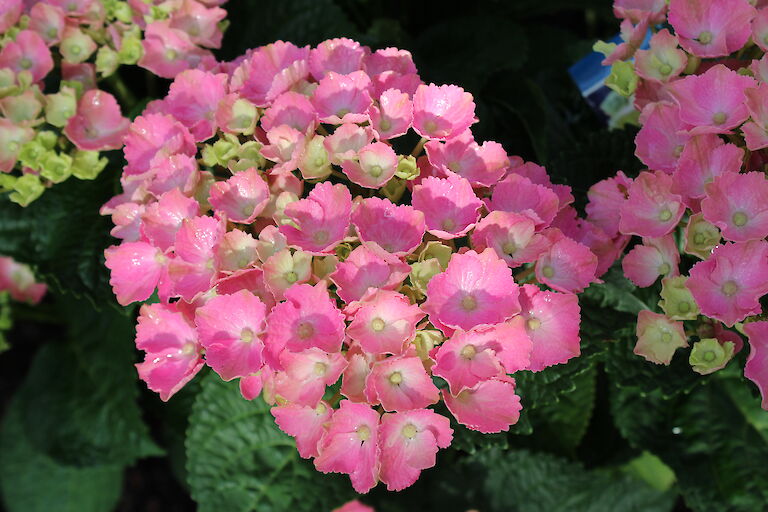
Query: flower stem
x=417, y=150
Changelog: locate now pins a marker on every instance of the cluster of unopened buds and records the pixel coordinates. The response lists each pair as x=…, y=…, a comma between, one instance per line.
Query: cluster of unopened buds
x=293, y=236
x=702, y=90
x=47, y=136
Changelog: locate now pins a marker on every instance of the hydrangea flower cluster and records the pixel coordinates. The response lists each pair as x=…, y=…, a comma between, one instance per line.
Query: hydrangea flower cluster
x=702, y=90
x=49, y=134
x=280, y=211
x=19, y=282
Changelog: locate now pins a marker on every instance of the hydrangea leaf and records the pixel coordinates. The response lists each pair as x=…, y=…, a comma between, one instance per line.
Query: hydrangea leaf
x=238, y=460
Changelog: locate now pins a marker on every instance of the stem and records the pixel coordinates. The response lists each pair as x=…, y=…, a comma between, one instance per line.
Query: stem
x=338, y=174
x=417, y=150
x=124, y=94
x=523, y=275
x=335, y=399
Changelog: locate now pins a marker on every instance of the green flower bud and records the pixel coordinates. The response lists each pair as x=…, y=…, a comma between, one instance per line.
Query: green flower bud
x=676, y=299
x=709, y=355
x=26, y=189
x=241, y=117
x=407, y=168
x=436, y=250
x=130, y=51
x=106, y=61
x=394, y=189
x=322, y=267
x=425, y=340
x=7, y=82
x=623, y=78
x=658, y=337
x=314, y=163
x=76, y=46
x=25, y=79
x=7, y=182
x=87, y=165
x=56, y=167
x=700, y=236
x=47, y=138
x=24, y=108
x=32, y=153
x=343, y=251
x=122, y=12
x=61, y=106
x=605, y=48
x=422, y=272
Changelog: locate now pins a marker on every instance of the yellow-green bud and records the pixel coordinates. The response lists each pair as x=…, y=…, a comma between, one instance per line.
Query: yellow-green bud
x=106, y=61
x=7, y=182
x=77, y=46
x=314, y=163
x=60, y=107
x=700, y=236
x=7, y=82
x=436, y=250
x=709, y=355
x=676, y=299
x=130, y=51
x=422, y=272
x=26, y=189
x=623, y=78
x=56, y=167
x=87, y=165
x=407, y=168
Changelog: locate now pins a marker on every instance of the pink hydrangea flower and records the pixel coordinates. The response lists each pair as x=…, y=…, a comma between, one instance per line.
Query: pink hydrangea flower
x=663, y=61
x=383, y=322
x=398, y=229
x=491, y=406
x=760, y=29
x=341, y=55
x=401, y=384
x=12, y=138
x=654, y=258
x=284, y=269
x=27, y=52
x=173, y=352
x=200, y=22
x=483, y=165
x=305, y=423
x=292, y=109
x=137, y=269
x=635, y=10
x=756, y=130
x=48, y=21
x=284, y=148
x=251, y=279
x=242, y=197
x=566, y=266
x=711, y=28
x=235, y=251
x=475, y=289
x=355, y=374
x=155, y=135
x=409, y=442
x=19, y=281
x=662, y=136
x=374, y=166
x=729, y=284
x=307, y=374
x=308, y=318
x=162, y=219
x=169, y=51
x=633, y=35
x=368, y=267
x=756, y=368
x=231, y=329
x=713, y=102
x=351, y=445
x=193, y=99
x=658, y=337
x=511, y=235
x=320, y=221
x=442, y=112
x=651, y=209
x=450, y=206
x=390, y=59
x=9, y=14
x=518, y=194
x=392, y=115
x=605, y=200
x=192, y=270
x=704, y=158
x=173, y=172
x=342, y=99
x=269, y=71
x=735, y=203
x=98, y=123
x=354, y=506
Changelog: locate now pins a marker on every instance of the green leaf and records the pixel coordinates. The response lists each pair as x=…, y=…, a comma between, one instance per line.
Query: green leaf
x=79, y=400
x=238, y=460
x=716, y=453
x=523, y=481
x=31, y=481
x=651, y=469
x=63, y=236
x=615, y=292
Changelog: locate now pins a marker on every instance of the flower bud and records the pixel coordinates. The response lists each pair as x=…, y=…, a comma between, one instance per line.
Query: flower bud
x=436, y=250
x=314, y=162
x=422, y=272
x=32, y=153
x=708, y=355
x=56, y=167
x=248, y=156
x=700, y=236
x=76, y=46
x=130, y=51
x=658, y=337
x=622, y=79
x=394, y=189
x=23, y=109
x=676, y=300
x=106, y=61
x=236, y=115
x=323, y=266
x=407, y=168
x=26, y=189
x=61, y=106
x=7, y=82
x=87, y=165
x=122, y=12
x=7, y=182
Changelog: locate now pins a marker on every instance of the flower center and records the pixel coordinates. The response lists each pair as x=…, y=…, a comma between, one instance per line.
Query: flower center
x=171, y=54
x=377, y=324
x=665, y=215
x=468, y=352
x=548, y=271
x=320, y=368
x=395, y=378
x=709, y=356
x=25, y=63
x=246, y=335
x=729, y=288
x=430, y=126
x=363, y=432
x=305, y=330
x=409, y=431
x=665, y=69
x=469, y=303
x=705, y=37
x=739, y=218
x=698, y=239
x=448, y=224
x=319, y=162
x=664, y=268
x=385, y=124
x=320, y=237
x=342, y=112
x=684, y=307
x=291, y=277
x=320, y=408
x=375, y=171
x=666, y=337
x=189, y=348
x=509, y=248
x=533, y=323
x=719, y=118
